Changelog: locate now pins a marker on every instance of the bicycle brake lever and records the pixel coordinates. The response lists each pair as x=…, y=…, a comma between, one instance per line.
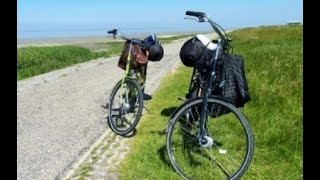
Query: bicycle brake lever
x=200, y=19
x=196, y=19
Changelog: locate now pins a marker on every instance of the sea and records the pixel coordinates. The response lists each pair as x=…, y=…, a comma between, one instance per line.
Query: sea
x=38, y=31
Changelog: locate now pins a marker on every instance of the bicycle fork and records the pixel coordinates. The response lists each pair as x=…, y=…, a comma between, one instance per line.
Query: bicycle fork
x=204, y=139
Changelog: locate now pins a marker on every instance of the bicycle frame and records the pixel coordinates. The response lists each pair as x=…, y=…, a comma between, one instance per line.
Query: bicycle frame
x=128, y=65
x=126, y=75
x=208, y=90
x=139, y=75
x=221, y=46
x=132, y=74
x=128, y=70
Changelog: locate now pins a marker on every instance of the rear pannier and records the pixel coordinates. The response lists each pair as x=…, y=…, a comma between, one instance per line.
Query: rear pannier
x=231, y=83
x=232, y=75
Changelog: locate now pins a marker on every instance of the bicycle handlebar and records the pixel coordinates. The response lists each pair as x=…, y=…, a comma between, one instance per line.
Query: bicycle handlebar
x=202, y=17
x=132, y=40
x=196, y=14
x=114, y=31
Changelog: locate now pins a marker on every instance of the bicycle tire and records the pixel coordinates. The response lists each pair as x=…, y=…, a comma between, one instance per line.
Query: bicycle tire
x=225, y=125
x=132, y=104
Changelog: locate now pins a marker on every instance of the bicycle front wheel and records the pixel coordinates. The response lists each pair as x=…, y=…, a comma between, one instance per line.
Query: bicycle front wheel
x=125, y=107
x=225, y=151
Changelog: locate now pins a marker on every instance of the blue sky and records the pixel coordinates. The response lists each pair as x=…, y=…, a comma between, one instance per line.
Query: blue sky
x=157, y=13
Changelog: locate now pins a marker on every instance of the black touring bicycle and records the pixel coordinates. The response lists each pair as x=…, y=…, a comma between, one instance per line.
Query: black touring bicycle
x=207, y=136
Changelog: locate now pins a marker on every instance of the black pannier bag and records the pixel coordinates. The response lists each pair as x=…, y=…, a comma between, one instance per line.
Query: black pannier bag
x=231, y=83
x=234, y=85
x=195, y=50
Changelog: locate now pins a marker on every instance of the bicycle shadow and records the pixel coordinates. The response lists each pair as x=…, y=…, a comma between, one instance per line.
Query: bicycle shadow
x=190, y=155
x=162, y=152
x=131, y=134
x=168, y=111
x=146, y=97
x=163, y=155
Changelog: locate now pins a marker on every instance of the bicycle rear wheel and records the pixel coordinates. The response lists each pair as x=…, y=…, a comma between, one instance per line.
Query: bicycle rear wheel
x=125, y=107
x=228, y=147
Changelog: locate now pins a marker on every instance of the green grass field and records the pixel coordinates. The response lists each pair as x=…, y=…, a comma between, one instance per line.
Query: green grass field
x=273, y=63
x=38, y=60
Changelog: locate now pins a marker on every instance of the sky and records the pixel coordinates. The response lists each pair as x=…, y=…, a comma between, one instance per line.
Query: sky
x=55, y=15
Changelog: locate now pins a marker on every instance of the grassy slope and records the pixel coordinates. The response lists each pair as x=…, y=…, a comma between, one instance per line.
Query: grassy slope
x=38, y=60
x=274, y=69
x=273, y=62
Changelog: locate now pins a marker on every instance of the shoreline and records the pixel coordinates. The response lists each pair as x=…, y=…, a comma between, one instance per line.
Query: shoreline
x=57, y=41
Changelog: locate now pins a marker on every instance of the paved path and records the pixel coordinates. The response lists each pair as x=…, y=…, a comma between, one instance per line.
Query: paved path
x=61, y=124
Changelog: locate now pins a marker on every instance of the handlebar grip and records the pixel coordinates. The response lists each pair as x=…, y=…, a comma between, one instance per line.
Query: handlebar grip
x=113, y=31
x=193, y=13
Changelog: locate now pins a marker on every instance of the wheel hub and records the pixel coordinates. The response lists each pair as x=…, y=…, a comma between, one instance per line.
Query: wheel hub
x=126, y=107
x=206, y=141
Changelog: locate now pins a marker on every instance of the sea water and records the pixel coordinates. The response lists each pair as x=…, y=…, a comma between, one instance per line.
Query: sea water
x=37, y=31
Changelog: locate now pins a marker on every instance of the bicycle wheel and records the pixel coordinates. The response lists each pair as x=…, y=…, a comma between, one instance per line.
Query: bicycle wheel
x=125, y=107
x=227, y=148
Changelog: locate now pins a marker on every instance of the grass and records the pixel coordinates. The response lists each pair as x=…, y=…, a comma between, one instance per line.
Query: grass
x=38, y=60
x=273, y=63
x=148, y=151
x=86, y=169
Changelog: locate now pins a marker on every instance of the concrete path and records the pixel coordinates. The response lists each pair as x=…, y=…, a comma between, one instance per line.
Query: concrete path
x=61, y=124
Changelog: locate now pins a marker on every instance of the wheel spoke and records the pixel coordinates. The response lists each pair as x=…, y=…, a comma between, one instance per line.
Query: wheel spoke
x=126, y=105
x=218, y=163
x=227, y=149
x=115, y=112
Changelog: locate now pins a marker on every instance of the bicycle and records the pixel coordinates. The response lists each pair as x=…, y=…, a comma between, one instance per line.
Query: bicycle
x=207, y=136
x=126, y=100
